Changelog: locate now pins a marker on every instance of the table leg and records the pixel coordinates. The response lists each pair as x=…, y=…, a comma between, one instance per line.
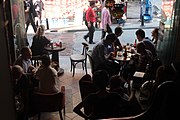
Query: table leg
x=55, y=57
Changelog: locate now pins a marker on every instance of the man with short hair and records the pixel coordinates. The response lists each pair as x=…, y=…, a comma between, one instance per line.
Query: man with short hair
x=140, y=34
x=102, y=55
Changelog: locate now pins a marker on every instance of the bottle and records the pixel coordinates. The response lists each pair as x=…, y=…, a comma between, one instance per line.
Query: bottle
x=60, y=44
x=125, y=52
x=52, y=46
x=135, y=42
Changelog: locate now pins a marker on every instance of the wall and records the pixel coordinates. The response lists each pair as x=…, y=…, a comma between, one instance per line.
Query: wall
x=6, y=98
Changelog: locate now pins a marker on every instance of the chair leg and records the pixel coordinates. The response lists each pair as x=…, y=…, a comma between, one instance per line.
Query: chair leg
x=60, y=114
x=85, y=66
x=74, y=69
x=71, y=65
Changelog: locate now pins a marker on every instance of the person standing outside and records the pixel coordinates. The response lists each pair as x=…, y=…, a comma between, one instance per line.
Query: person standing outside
x=39, y=7
x=30, y=14
x=105, y=21
x=90, y=20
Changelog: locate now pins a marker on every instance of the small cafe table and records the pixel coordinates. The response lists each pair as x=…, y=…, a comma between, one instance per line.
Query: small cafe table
x=55, y=55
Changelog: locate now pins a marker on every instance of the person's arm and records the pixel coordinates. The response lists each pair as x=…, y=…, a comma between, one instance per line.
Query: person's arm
x=78, y=109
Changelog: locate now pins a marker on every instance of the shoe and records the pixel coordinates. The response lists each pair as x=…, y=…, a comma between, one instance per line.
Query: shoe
x=85, y=38
x=92, y=43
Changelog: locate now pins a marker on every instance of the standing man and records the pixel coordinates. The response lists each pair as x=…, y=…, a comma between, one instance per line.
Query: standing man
x=30, y=14
x=90, y=20
x=105, y=21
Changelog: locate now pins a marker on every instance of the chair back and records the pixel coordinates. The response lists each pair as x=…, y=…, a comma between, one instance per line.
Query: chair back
x=35, y=60
x=89, y=54
x=85, y=49
x=86, y=87
x=49, y=102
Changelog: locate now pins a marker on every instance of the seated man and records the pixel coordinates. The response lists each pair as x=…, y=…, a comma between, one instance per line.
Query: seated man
x=148, y=43
x=24, y=60
x=102, y=55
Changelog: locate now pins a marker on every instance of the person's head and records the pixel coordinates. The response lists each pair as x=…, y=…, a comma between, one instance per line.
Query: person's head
x=154, y=33
x=92, y=3
x=40, y=30
x=101, y=78
x=140, y=47
x=115, y=82
x=46, y=61
x=26, y=53
x=118, y=31
x=140, y=34
x=17, y=72
x=110, y=39
x=164, y=73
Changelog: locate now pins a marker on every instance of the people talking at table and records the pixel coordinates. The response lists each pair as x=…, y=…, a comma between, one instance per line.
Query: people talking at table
x=138, y=62
x=140, y=34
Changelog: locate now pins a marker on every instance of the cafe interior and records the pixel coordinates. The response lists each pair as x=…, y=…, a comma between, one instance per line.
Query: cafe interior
x=167, y=50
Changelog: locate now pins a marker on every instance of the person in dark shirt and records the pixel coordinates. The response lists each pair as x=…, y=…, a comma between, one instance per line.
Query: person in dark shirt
x=117, y=44
x=148, y=43
x=39, y=42
x=30, y=14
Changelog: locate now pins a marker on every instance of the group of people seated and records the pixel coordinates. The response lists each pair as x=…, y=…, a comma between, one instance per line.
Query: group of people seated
x=28, y=78
x=108, y=97
x=111, y=94
x=104, y=102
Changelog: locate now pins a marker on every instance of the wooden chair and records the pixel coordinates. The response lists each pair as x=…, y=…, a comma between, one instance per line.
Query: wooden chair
x=86, y=87
x=89, y=54
x=49, y=103
x=79, y=58
x=35, y=60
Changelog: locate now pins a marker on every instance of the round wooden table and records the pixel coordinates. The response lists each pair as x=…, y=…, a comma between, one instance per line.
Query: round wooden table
x=55, y=55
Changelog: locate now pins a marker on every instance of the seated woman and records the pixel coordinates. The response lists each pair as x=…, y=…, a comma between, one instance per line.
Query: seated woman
x=47, y=76
x=39, y=42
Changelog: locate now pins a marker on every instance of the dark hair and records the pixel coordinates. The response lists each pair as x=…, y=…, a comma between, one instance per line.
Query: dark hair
x=111, y=36
x=24, y=49
x=118, y=30
x=141, y=33
x=92, y=3
x=101, y=78
x=45, y=60
x=115, y=82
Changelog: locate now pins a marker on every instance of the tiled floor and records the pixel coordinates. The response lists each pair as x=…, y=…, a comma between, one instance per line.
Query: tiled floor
x=72, y=91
